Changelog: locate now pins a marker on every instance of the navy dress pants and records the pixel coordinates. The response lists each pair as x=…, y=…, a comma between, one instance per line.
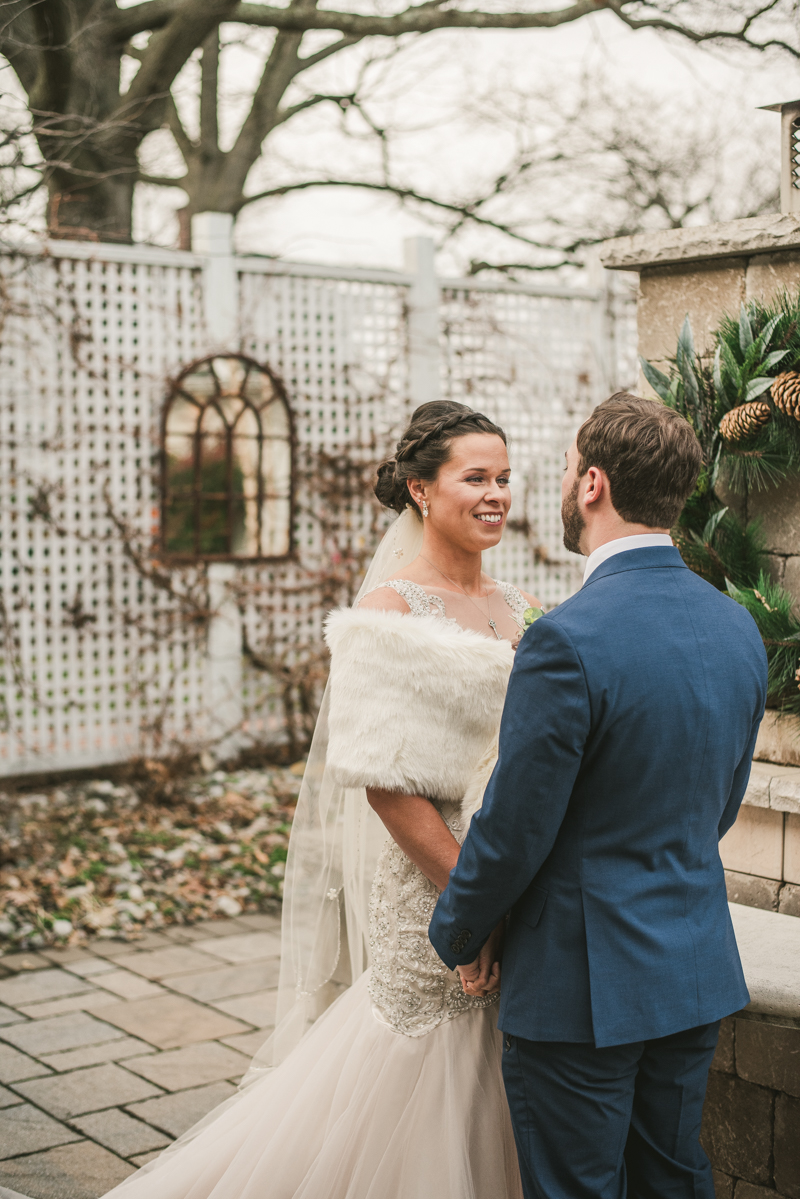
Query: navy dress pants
x=615, y=1123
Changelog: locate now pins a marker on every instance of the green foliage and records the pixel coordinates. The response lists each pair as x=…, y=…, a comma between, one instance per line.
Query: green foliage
x=749, y=351
x=689, y=390
x=719, y=546
x=771, y=608
x=202, y=522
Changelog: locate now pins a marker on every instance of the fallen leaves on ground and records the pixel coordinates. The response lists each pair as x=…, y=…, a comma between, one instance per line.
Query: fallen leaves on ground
x=98, y=858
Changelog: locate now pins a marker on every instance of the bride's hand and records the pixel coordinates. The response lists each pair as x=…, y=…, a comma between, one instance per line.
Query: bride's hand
x=482, y=977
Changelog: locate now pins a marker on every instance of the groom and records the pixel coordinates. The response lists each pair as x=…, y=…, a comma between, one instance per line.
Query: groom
x=625, y=750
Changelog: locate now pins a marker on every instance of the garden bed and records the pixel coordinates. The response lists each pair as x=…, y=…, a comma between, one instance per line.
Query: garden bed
x=109, y=859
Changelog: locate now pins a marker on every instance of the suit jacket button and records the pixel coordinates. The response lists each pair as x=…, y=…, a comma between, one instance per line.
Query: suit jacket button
x=461, y=941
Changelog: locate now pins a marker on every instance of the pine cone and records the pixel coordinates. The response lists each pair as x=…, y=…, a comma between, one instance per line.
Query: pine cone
x=744, y=421
x=786, y=393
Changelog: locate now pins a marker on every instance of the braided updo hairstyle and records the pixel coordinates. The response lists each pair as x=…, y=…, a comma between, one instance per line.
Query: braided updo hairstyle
x=425, y=447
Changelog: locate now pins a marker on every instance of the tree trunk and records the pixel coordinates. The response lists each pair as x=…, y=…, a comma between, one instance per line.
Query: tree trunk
x=96, y=206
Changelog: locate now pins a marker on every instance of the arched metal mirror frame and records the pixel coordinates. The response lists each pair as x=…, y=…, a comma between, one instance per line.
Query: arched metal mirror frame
x=176, y=390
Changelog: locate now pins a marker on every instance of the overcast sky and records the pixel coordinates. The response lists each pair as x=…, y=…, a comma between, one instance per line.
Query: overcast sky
x=424, y=94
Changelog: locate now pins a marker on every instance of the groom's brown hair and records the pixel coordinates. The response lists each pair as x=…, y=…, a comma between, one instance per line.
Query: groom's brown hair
x=650, y=454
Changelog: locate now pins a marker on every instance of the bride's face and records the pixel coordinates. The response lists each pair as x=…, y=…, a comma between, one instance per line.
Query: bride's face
x=469, y=501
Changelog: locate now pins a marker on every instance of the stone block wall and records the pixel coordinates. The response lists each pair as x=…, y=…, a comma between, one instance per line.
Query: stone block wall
x=751, y=1120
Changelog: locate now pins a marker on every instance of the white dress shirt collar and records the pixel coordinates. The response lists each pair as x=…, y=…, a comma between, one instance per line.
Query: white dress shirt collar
x=639, y=541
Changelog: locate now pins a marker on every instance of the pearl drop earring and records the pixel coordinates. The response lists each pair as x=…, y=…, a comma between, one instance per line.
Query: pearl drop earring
x=424, y=507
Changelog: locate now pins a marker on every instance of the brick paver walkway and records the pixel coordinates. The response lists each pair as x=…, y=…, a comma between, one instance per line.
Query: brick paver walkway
x=108, y=1053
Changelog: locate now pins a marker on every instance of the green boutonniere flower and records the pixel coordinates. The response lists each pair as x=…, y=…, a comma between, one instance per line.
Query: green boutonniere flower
x=531, y=614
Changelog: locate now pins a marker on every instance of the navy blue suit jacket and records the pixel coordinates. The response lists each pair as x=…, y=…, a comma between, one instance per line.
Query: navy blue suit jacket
x=625, y=750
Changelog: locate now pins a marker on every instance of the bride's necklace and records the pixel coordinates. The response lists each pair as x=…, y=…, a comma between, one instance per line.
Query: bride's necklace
x=492, y=625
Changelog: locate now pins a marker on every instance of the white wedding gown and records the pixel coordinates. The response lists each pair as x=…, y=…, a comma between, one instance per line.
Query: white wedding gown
x=396, y=1091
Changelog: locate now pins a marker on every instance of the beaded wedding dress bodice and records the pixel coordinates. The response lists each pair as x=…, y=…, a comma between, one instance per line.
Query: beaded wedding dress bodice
x=411, y=988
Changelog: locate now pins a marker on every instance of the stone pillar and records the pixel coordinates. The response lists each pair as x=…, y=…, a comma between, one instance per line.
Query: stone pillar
x=424, y=381
x=224, y=669
x=212, y=236
x=704, y=272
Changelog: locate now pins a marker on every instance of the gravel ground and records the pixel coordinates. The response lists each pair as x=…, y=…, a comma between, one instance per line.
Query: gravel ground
x=102, y=859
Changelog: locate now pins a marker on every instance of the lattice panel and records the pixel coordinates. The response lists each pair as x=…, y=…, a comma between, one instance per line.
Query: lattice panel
x=339, y=347
x=92, y=646
x=533, y=363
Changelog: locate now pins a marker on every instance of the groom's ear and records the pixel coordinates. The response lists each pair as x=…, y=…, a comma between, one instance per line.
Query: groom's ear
x=595, y=485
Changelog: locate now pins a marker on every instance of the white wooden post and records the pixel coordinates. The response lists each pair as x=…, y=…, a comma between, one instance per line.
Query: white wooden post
x=224, y=685
x=424, y=377
x=212, y=236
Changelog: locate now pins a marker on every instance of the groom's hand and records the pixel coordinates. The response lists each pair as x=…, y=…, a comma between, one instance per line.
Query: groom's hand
x=482, y=977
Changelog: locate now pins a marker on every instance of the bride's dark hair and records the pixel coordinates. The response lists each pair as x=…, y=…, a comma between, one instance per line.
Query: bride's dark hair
x=425, y=447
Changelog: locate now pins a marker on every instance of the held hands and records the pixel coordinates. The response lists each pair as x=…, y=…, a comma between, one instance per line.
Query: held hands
x=482, y=977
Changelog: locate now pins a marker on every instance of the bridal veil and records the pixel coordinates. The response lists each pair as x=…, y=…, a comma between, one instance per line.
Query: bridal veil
x=333, y=851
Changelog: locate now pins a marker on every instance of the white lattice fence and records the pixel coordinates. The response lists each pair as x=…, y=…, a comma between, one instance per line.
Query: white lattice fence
x=91, y=645
x=339, y=346
x=105, y=646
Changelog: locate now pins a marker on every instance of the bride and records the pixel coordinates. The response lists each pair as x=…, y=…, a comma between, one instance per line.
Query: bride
x=382, y=1079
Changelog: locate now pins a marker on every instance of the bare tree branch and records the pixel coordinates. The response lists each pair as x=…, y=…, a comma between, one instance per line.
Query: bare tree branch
x=285, y=114
x=424, y=18
x=168, y=51
x=67, y=54
x=279, y=70
x=311, y=60
x=161, y=180
x=184, y=142
x=209, y=89
x=465, y=212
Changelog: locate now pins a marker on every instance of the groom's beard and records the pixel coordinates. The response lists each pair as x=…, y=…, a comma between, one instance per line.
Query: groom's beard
x=572, y=520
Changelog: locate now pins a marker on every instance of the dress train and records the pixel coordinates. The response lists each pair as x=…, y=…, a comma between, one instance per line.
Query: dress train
x=358, y=1111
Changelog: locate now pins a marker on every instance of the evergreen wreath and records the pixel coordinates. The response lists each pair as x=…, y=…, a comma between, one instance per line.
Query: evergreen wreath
x=744, y=406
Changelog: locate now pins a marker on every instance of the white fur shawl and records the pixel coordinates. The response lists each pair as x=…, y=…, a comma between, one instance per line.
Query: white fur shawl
x=415, y=701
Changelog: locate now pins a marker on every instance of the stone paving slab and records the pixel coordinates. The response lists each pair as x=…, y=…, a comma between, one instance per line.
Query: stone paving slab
x=38, y=985
x=121, y=1133
x=93, y=1055
x=176, y=1113
x=81, y=1091
x=246, y=947
x=25, y=961
x=80, y=1171
x=16, y=1066
x=193, y=1066
x=176, y=959
x=87, y=967
x=258, y=1009
x=227, y=981
x=24, y=1129
x=139, y=1160
x=247, y=1043
x=59, y=955
x=260, y=922
x=70, y=1031
x=170, y=1021
x=92, y=1036
x=91, y=1001
x=128, y=986
x=111, y=949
